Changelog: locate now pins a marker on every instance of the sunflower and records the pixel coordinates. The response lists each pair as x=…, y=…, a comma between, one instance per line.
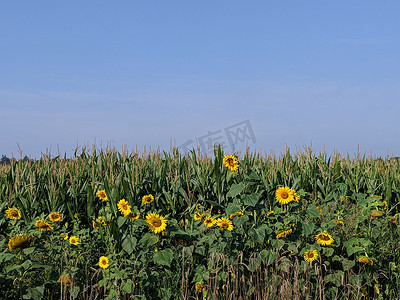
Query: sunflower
x=270, y=213
x=74, y=240
x=339, y=223
x=295, y=196
x=64, y=235
x=200, y=287
x=230, y=162
x=55, y=216
x=310, y=255
x=148, y=199
x=43, y=225
x=284, y=195
x=224, y=223
x=236, y=214
x=365, y=260
x=19, y=241
x=324, y=239
x=64, y=279
x=284, y=233
x=198, y=205
x=124, y=207
x=95, y=225
x=199, y=216
x=209, y=222
x=156, y=223
x=102, y=195
x=385, y=205
x=13, y=213
x=103, y=262
x=132, y=215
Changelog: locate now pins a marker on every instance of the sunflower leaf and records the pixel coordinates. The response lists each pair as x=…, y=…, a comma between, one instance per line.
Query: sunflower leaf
x=163, y=257
x=235, y=189
x=129, y=244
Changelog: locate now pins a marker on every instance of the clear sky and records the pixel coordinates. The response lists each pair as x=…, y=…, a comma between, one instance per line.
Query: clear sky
x=154, y=73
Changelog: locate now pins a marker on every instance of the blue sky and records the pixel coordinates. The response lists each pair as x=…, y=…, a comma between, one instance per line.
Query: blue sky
x=150, y=73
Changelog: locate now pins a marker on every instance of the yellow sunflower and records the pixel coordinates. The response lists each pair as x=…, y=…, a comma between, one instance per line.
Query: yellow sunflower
x=284, y=195
x=284, y=233
x=270, y=213
x=19, y=241
x=43, y=225
x=295, y=196
x=385, y=205
x=55, y=216
x=95, y=224
x=64, y=235
x=365, y=260
x=230, y=162
x=124, y=207
x=74, y=240
x=236, y=214
x=102, y=195
x=103, y=262
x=199, y=216
x=324, y=239
x=339, y=223
x=132, y=215
x=209, y=222
x=156, y=222
x=310, y=255
x=148, y=199
x=13, y=213
x=224, y=223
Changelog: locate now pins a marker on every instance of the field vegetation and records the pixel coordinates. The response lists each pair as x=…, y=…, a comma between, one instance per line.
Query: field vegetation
x=119, y=225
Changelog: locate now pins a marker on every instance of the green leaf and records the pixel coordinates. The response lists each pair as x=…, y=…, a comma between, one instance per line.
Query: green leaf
x=239, y=221
x=121, y=221
x=235, y=189
x=5, y=257
x=268, y=256
x=35, y=293
x=308, y=228
x=312, y=211
x=277, y=243
x=127, y=287
x=149, y=239
x=28, y=250
x=328, y=251
x=232, y=208
x=258, y=234
x=129, y=244
x=250, y=200
x=163, y=257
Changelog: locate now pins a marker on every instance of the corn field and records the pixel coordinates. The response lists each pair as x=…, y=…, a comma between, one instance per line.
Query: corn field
x=163, y=225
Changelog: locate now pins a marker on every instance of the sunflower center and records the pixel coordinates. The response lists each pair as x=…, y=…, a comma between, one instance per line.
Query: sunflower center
x=285, y=195
x=324, y=237
x=224, y=224
x=156, y=223
x=310, y=254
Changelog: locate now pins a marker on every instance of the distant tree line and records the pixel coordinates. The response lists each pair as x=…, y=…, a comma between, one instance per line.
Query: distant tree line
x=6, y=161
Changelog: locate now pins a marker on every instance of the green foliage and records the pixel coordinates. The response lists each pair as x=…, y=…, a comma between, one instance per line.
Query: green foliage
x=355, y=201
